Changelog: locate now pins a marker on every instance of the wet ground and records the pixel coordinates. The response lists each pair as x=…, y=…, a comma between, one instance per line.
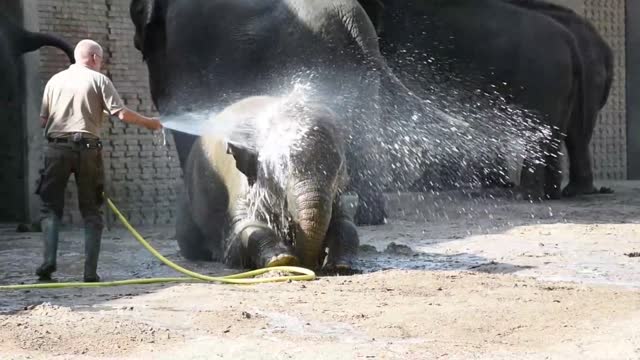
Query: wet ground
x=454, y=257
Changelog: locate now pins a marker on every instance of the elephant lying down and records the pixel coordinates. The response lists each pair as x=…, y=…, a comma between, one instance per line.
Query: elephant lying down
x=274, y=199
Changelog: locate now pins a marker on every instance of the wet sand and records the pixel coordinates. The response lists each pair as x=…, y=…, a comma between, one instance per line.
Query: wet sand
x=450, y=276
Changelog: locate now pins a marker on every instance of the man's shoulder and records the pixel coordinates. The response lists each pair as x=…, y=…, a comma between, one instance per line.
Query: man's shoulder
x=75, y=71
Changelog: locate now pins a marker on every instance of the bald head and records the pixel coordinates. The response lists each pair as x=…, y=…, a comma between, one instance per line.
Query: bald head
x=88, y=53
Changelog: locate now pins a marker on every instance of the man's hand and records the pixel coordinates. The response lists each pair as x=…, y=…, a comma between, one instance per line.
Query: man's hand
x=154, y=124
x=132, y=117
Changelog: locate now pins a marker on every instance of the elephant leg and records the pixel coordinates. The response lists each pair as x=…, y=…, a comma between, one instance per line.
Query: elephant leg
x=553, y=174
x=253, y=244
x=533, y=175
x=495, y=173
x=343, y=241
x=580, y=167
x=371, y=206
x=367, y=160
x=191, y=241
x=365, y=183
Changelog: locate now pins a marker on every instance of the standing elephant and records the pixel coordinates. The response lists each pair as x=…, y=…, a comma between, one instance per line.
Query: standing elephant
x=206, y=54
x=203, y=55
x=598, y=68
x=491, y=47
x=271, y=196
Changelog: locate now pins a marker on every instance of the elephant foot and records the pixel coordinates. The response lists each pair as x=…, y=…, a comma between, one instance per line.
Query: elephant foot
x=92, y=278
x=553, y=194
x=22, y=228
x=339, y=269
x=532, y=195
x=282, y=260
x=263, y=248
x=501, y=184
x=573, y=190
x=44, y=271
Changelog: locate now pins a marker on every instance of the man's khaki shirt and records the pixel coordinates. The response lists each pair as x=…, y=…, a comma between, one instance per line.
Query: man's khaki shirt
x=76, y=99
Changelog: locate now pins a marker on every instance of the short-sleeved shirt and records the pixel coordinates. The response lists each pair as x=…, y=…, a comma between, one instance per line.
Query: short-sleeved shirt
x=76, y=100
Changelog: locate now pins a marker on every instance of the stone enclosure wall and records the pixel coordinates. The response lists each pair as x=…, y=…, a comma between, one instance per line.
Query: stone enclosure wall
x=142, y=173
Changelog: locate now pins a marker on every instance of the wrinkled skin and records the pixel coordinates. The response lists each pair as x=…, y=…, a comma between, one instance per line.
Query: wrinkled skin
x=272, y=198
x=597, y=59
x=207, y=54
x=495, y=47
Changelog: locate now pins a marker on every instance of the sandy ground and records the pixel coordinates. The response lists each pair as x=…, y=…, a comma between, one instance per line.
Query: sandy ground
x=451, y=276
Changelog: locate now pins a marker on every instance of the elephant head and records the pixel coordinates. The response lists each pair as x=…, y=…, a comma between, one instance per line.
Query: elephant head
x=298, y=163
x=148, y=18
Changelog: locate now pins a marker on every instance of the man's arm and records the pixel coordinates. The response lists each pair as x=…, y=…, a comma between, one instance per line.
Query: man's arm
x=129, y=116
x=114, y=106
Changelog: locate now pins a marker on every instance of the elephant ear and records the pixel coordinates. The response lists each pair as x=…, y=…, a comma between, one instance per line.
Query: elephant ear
x=375, y=11
x=246, y=161
x=147, y=19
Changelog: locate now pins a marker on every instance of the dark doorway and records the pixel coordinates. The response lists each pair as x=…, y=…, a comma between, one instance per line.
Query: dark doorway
x=13, y=136
x=633, y=88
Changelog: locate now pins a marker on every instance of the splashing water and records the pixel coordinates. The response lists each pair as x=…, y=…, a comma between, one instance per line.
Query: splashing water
x=239, y=128
x=449, y=139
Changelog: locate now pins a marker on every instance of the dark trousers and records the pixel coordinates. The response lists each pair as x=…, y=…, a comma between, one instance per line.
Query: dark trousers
x=84, y=160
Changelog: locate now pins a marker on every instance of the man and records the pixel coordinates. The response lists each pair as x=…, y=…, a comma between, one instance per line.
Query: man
x=72, y=114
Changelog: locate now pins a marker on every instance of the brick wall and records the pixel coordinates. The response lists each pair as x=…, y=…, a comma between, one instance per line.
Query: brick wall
x=141, y=173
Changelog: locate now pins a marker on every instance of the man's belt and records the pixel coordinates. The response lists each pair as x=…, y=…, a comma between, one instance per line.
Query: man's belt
x=84, y=142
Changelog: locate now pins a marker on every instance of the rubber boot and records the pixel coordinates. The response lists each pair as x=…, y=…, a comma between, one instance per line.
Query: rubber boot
x=50, y=233
x=92, y=240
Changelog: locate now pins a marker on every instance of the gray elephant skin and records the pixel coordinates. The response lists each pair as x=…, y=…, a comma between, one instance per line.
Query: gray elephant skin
x=14, y=42
x=524, y=57
x=207, y=54
x=597, y=58
x=272, y=198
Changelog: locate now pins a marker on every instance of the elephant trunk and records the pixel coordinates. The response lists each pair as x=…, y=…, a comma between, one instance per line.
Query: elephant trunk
x=32, y=41
x=312, y=215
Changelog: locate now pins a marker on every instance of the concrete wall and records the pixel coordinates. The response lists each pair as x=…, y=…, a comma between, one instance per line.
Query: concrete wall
x=609, y=144
x=142, y=173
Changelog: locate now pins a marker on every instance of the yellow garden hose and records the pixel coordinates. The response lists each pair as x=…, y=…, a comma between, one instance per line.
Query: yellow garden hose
x=242, y=278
